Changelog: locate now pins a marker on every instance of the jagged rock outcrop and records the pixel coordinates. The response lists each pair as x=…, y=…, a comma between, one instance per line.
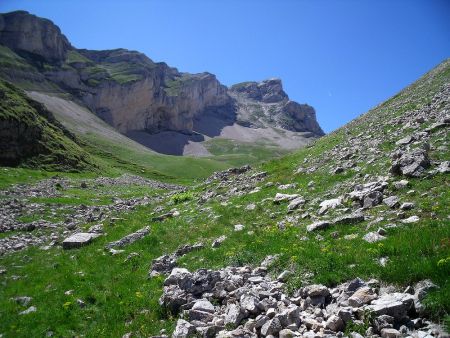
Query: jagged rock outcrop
x=131, y=92
x=267, y=91
x=262, y=104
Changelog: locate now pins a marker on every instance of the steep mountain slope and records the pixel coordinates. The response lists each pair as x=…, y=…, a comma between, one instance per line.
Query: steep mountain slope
x=30, y=135
x=148, y=101
x=369, y=200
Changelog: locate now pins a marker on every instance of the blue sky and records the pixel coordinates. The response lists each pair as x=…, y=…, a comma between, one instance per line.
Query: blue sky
x=342, y=57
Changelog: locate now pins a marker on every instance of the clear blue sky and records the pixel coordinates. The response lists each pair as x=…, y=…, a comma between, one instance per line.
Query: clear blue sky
x=342, y=57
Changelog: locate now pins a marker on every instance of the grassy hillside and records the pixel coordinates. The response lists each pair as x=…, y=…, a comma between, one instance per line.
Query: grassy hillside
x=119, y=298
x=33, y=138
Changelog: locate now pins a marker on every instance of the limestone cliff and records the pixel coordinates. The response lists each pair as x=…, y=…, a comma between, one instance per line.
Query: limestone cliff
x=29, y=34
x=130, y=91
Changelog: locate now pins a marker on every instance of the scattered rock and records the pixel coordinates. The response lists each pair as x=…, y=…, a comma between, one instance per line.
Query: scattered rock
x=287, y=186
x=78, y=240
x=373, y=237
x=401, y=184
x=372, y=199
x=335, y=323
x=318, y=226
x=390, y=333
x=329, y=204
x=407, y=206
x=31, y=309
x=396, y=305
x=165, y=264
x=422, y=289
x=372, y=191
x=184, y=329
x=362, y=296
x=295, y=203
x=444, y=167
x=284, y=197
x=354, y=218
x=218, y=241
x=131, y=238
x=391, y=201
x=23, y=300
x=239, y=227
x=404, y=141
x=412, y=219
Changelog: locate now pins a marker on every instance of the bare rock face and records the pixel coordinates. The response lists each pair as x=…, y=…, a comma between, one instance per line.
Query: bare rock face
x=262, y=104
x=267, y=91
x=135, y=93
x=23, y=32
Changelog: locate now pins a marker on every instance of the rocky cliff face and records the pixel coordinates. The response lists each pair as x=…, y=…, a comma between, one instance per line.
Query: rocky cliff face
x=131, y=92
x=267, y=91
x=263, y=104
x=29, y=34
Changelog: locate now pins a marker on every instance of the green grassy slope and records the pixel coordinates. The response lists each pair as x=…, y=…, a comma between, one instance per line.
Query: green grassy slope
x=44, y=142
x=119, y=298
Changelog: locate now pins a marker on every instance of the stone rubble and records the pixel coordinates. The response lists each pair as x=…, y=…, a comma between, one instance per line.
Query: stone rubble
x=42, y=231
x=246, y=302
x=232, y=182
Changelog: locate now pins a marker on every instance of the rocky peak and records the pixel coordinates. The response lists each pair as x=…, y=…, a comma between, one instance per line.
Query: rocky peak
x=265, y=104
x=28, y=34
x=268, y=91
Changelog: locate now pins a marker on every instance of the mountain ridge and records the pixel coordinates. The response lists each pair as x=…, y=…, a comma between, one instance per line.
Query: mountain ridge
x=133, y=93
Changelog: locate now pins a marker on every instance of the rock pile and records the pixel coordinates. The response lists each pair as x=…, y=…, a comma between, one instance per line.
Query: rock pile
x=246, y=302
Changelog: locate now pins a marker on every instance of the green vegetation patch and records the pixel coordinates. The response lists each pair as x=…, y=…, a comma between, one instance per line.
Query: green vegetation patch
x=36, y=139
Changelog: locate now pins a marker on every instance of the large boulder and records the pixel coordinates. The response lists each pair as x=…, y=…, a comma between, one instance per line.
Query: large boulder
x=411, y=164
x=396, y=305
